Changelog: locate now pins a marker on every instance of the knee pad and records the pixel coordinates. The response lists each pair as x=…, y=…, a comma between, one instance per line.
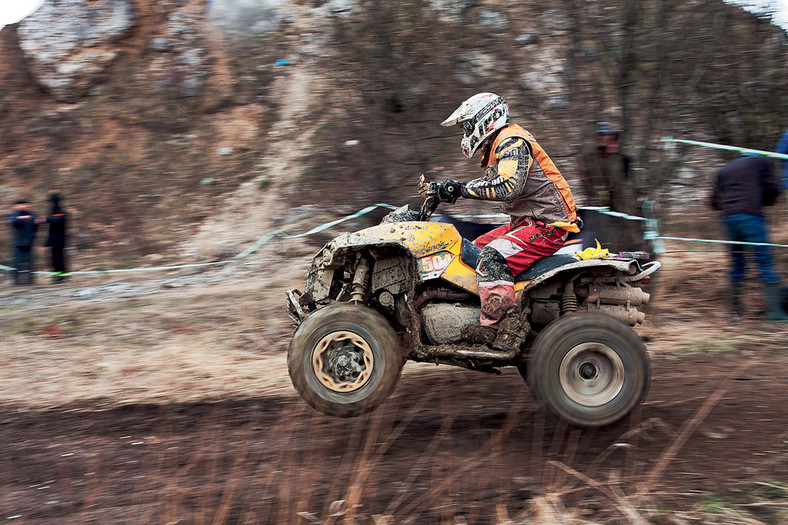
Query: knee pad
x=492, y=266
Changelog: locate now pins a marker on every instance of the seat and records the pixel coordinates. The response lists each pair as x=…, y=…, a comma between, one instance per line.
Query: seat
x=470, y=256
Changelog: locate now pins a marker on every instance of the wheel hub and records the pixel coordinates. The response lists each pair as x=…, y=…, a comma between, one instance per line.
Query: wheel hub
x=591, y=374
x=588, y=371
x=342, y=361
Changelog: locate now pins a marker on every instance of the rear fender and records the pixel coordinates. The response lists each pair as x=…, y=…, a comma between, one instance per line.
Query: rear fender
x=631, y=270
x=594, y=284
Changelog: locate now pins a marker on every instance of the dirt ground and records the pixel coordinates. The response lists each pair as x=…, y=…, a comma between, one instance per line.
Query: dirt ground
x=166, y=400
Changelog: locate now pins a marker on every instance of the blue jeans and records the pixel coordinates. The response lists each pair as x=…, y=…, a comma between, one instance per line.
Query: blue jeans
x=750, y=228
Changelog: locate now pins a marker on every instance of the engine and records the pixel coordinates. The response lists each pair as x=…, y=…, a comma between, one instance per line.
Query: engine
x=443, y=321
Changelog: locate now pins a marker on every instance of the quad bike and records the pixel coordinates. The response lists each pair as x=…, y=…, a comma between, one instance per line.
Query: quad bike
x=403, y=290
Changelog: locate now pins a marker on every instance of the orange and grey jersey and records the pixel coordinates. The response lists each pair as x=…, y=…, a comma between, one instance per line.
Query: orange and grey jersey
x=519, y=173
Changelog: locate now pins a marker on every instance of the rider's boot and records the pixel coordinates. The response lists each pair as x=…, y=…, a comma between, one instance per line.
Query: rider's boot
x=511, y=332
x=479, y=335
x=507, y=335
x=497, y=299
x=773, y=292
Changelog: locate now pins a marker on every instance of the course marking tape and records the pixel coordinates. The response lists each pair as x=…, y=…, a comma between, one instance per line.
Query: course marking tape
x=322, y=227
x=744, y=243
x=760, y=152
x=248, y=251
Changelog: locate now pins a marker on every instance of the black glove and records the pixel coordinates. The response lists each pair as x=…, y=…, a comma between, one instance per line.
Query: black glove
x=449, y=191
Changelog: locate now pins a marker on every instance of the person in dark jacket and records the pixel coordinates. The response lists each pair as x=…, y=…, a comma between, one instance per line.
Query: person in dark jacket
x=56, y=239
x=608, y=180
x=23, y=223
x=782, y=147
x=743, y=187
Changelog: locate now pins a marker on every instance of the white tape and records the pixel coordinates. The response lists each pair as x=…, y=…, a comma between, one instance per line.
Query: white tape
x=760, y=152
x=322, y=227
x=248, y=251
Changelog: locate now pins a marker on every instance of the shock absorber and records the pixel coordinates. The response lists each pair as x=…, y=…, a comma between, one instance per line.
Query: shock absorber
x=360, y=281
x=569, y=298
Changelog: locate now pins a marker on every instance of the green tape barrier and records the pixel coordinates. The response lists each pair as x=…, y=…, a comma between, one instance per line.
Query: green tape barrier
x=650, y=235
x=760, y=152
x=250, y=250
x=744, y=243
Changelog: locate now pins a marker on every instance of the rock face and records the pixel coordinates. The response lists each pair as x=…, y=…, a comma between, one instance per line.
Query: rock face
x=69, y=43
x=181, y=63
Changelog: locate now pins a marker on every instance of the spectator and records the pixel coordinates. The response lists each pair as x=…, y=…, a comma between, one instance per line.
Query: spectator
x=743, y=187
x=782, y=147
x=605, y=171
x=23, y=224
x=607, y=181
x=57, y=236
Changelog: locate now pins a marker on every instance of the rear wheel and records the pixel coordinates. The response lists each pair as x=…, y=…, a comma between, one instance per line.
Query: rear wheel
x=589, y=369
x=344, y=360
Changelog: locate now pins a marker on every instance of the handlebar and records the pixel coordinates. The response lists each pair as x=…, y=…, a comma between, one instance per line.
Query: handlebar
x=428, y=207
x=431, y=201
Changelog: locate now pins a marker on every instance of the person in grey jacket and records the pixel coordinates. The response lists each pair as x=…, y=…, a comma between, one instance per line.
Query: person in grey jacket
x=743, y=187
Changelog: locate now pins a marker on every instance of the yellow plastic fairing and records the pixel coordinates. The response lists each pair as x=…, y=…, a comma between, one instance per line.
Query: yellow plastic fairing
x=459, y=273
x=420, y=238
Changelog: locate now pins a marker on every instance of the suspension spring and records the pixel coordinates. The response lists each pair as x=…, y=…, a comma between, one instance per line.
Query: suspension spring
x=360, y=281
x=568, y=303
x=569, y=298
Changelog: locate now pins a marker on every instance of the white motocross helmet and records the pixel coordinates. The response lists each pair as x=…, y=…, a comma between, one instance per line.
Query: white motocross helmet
x=480, y=117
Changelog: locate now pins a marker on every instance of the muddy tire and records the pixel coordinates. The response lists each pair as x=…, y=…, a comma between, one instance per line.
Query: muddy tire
x=345, y=360
x=589, y=369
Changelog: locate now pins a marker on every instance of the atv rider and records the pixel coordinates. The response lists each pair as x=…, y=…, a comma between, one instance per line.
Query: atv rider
x=517, y=172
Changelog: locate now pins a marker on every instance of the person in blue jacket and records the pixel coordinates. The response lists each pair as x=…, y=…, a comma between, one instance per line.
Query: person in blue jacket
x=743, y=187
x=782, y=147
x=23, y=225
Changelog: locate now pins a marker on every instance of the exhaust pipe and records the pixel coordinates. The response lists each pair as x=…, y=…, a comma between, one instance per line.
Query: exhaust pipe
x=622, y=295
x=620, y=302
x=628, y=314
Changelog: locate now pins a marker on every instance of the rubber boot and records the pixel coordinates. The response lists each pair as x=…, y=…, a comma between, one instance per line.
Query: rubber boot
x=773, y=293
x=497, y=299
x=511, y=332
x=736, y=307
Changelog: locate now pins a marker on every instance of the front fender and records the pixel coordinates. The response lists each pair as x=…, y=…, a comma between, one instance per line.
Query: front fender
x=416, y=238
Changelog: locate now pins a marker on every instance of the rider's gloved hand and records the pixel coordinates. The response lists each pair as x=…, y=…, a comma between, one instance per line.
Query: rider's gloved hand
x=427, y=188
x=449, y=191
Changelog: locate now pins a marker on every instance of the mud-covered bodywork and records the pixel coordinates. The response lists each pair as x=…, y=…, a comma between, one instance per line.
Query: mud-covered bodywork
x=406, y=290
x=421, y=276
x=396, y=249
x=406, y=253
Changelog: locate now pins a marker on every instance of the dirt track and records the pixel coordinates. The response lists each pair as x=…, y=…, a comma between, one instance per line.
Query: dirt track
x=450, y=444
x=169, y=402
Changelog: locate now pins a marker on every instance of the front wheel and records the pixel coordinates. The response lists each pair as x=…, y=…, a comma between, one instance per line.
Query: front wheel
x=589, y=369
x=344, y=360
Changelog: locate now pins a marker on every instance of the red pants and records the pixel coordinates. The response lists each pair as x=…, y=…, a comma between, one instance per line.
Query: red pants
x=520, y=245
